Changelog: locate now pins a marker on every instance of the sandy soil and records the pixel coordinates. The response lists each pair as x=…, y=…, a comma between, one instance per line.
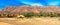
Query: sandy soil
x=40, y=21
x=30, y=21
x=8, y=21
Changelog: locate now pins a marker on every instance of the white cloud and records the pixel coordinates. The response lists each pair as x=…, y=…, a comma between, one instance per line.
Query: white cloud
x=36, y=4
x=31, y=3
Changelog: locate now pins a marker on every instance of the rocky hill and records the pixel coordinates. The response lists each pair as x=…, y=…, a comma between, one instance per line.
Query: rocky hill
x=21, y=9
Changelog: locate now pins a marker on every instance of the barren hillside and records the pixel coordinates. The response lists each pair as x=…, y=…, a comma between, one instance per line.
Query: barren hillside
x=20, y=9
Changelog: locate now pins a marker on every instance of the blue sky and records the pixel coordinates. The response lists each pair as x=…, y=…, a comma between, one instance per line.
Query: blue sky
x=5, y=3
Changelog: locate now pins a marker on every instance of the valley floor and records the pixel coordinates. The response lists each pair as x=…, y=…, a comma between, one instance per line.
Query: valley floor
x=40, y=21
x=30, y=21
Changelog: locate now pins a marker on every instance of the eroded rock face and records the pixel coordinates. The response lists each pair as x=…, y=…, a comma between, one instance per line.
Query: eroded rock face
x=21, y=9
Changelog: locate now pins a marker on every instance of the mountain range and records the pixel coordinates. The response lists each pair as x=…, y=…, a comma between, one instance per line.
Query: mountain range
x=25, y=9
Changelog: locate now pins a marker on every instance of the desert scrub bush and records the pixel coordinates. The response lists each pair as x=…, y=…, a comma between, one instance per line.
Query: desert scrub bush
x=0, y=14
x=58, y=14
x=36, y=15
x=10, y=16
x=44, y=14
x=29, y=14
x=5, y=14
x=51, y=14
x=41, y=13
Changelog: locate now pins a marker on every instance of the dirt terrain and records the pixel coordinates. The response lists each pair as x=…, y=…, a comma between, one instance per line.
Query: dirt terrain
x=30, y=21
x=8, y=21
x=40, y=21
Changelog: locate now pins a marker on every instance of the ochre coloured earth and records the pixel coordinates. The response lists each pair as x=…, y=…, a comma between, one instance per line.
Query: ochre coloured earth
x=2, y=23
